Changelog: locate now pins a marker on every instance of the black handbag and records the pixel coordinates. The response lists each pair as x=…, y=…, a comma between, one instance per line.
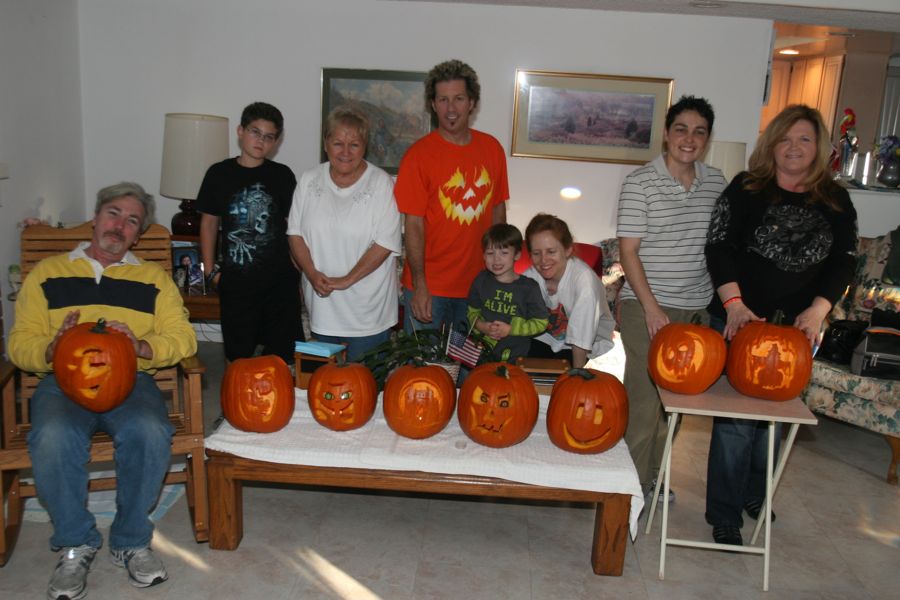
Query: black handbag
x=841, y=338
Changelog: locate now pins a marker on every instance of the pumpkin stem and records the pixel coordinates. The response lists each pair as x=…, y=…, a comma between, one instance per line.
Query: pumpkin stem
x=778, y=317
x=502, y=371
x=100, y=327
x=583, y=373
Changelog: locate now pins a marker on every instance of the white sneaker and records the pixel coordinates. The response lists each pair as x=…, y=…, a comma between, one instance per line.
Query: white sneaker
x=661, y=496
x=144, y=568
x=69, y=580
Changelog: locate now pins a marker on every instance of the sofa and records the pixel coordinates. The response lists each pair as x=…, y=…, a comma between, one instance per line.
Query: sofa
x=833, y=390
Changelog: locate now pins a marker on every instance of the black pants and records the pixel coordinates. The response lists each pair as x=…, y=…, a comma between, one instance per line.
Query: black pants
x=260, y=313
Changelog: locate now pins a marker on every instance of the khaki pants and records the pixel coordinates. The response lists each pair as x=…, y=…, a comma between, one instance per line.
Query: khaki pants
x=646, y=433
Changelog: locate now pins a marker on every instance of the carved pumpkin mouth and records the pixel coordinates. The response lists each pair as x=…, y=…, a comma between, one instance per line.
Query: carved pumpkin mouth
x=585, y=444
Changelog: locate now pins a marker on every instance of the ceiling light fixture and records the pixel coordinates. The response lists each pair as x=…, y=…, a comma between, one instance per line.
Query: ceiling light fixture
x=570, y=193
x=706, y=4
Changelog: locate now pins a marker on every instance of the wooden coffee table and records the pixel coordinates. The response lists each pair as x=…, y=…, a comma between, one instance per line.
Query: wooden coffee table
x=227, y=474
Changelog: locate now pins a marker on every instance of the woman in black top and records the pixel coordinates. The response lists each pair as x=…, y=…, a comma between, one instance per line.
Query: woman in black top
x=782, y=236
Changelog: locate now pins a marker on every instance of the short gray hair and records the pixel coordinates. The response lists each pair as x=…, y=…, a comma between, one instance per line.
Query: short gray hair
x=133, y=190
x=349, y=117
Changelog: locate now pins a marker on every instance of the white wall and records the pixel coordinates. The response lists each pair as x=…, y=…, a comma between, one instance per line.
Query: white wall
x=40, y=121
x=141, y=59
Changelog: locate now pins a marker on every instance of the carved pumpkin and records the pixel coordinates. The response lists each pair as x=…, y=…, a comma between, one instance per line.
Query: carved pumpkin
x=770, y=361
x=258, y=394
x=95, y=366
x=342, y=396
x=686, y=358
x=498, y=405
x=588, y=411
x=419, y=400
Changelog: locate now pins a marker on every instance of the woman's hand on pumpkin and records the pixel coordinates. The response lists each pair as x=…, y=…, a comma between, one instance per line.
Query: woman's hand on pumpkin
x=70, y=321
x=738, y=315
x=810, y=320
x=655, y=318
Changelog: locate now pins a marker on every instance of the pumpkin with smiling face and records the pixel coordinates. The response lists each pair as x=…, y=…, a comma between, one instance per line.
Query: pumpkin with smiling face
x=497, y=405
x=588, y=411
x=342, y=396
x=419, y=400
x=258, y=394
x=95, y=366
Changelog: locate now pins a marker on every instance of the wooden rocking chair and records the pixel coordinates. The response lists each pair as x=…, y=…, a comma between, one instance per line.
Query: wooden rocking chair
x=180, y=386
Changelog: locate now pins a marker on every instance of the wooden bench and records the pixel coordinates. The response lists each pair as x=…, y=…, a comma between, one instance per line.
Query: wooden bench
x=227, y=474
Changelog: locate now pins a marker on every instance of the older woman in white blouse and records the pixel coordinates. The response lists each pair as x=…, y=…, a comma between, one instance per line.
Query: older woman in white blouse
x=344, y=234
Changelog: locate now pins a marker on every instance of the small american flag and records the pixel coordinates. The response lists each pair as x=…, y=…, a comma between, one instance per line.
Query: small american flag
x=460, y=347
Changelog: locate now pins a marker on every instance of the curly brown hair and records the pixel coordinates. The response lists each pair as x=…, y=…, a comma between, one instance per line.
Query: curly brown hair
x=449, y=71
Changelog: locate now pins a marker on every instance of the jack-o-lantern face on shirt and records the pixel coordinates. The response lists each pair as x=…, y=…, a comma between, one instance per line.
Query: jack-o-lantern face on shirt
x=498, y=405
x=342, y=397
x=466, y=196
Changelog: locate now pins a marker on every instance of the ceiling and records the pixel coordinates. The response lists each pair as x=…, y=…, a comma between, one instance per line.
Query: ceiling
x=844, y=18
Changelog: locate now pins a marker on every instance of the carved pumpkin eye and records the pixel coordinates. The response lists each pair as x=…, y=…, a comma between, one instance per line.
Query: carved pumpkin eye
x=351, y=390
x=484, y=399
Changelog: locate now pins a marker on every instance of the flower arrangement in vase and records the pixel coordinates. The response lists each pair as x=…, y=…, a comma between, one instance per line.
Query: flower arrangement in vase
x=888, y=155
x=848, y=148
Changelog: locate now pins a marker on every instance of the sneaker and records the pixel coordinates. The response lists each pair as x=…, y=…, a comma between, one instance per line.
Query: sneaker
x=69, y=580
x=753, y=508
x=144, y=568
x=728, y=534
x=661, y=497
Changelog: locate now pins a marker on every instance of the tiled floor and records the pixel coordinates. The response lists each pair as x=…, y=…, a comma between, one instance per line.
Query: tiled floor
x=837, y=536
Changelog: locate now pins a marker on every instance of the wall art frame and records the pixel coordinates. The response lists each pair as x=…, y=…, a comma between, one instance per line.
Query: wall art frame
x=394, y=102
x=581, y=116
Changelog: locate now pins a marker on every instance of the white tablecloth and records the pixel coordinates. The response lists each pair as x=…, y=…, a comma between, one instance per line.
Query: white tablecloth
x=375, y=446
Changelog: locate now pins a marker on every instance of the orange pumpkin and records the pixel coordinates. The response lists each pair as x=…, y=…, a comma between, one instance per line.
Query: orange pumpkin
x=258, y=394
x=769, y=360
x=686, y=358
x=95, y=366
x=419, y=400
x=498, y=405
x=342, y=396
x=588, y=411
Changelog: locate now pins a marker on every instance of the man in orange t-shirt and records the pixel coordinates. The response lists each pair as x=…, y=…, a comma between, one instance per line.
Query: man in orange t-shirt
x=451, y=187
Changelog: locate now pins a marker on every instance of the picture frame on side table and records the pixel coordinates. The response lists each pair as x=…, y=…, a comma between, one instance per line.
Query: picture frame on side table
x=393, y=101
x=580, y=116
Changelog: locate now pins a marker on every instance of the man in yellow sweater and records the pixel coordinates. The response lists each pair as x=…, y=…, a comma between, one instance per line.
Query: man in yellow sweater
x=102, y=279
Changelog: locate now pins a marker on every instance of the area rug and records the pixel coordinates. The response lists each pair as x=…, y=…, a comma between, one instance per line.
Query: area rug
x=103, y=502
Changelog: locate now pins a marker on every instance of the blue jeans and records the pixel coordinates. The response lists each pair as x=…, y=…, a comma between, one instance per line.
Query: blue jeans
x=736, y=471
x=59, y=444
x=356, y=346
x=449, y=311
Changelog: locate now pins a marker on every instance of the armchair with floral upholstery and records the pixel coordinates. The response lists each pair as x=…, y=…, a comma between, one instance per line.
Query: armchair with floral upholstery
x=834, y=391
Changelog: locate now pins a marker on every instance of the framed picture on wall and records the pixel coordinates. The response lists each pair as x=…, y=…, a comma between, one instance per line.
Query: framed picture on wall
x=394, y=102
x=579, y=116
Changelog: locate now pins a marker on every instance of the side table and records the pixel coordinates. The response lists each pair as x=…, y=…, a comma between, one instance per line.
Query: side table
x=721, y=400
x=202, y=307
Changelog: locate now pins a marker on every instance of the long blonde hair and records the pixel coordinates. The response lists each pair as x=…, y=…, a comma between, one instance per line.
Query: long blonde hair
x=761, y=167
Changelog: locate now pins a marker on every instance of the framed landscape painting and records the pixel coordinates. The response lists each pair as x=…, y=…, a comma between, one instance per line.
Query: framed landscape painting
x=577, y=116
x=394, y=102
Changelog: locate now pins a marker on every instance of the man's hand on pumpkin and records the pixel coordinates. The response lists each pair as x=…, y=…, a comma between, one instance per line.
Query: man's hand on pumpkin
x=69, y=322
x=141, y=347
